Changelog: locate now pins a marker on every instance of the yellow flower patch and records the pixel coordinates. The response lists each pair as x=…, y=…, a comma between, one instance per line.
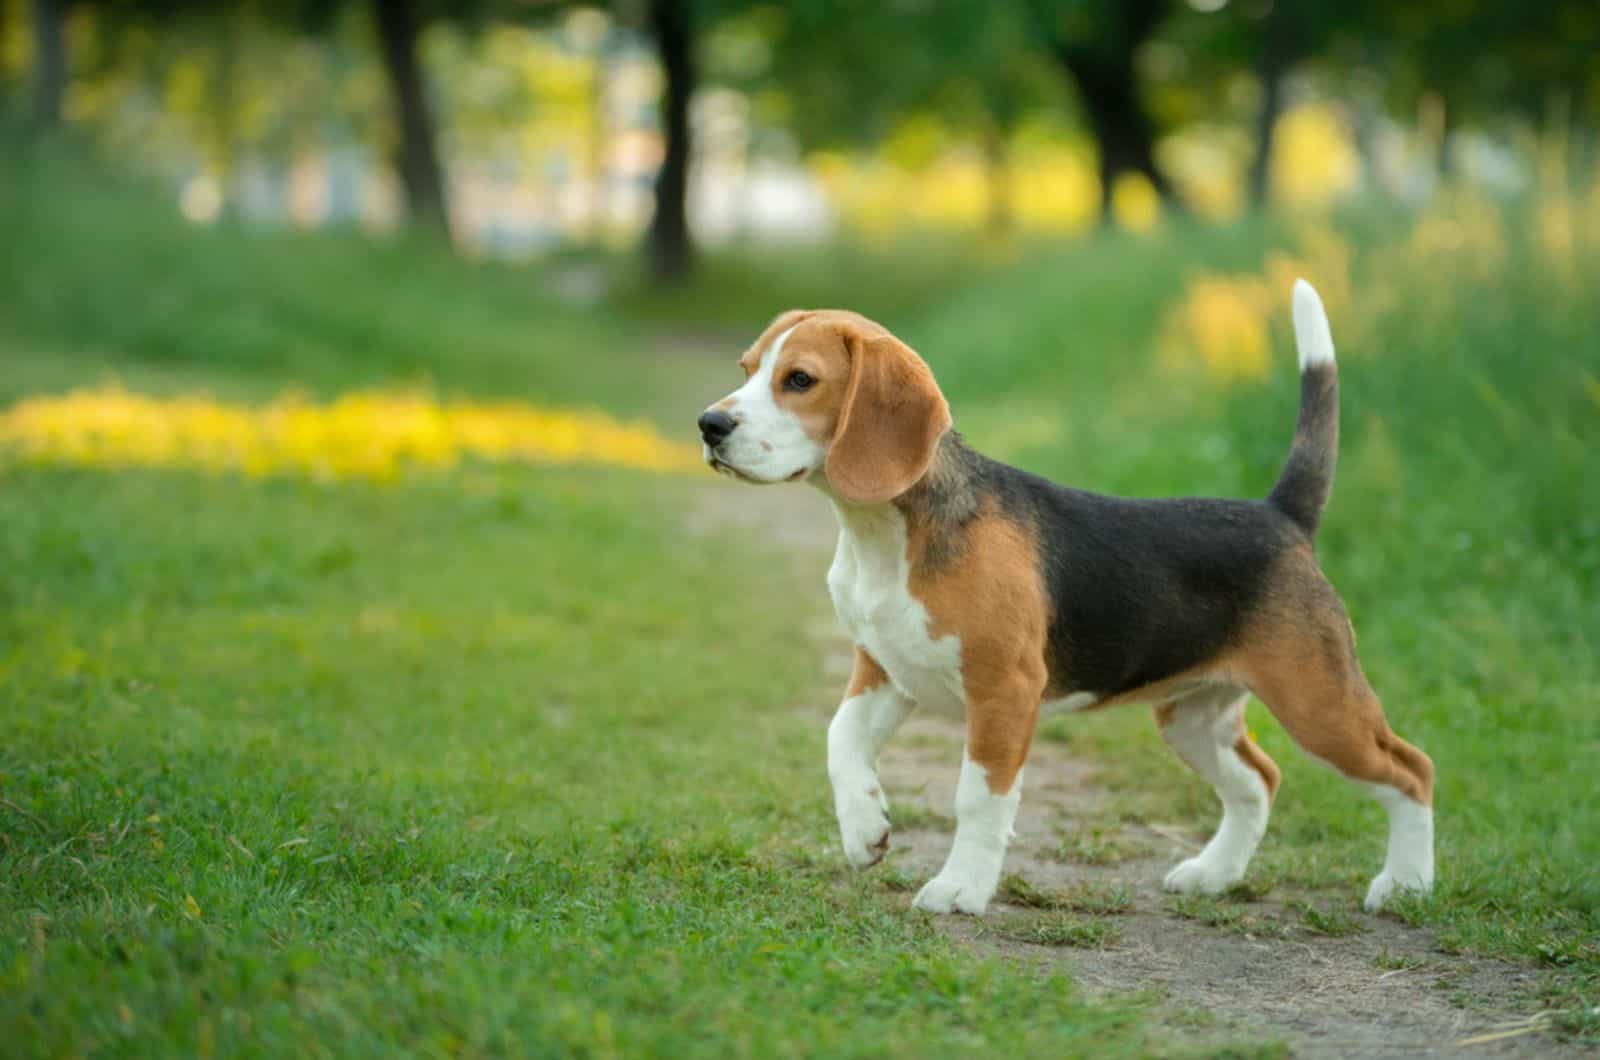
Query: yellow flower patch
x=1226, y=321
x=367, y=434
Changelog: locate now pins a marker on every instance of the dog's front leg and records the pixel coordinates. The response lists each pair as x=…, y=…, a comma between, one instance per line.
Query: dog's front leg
x=871, y=712
x=999, y=733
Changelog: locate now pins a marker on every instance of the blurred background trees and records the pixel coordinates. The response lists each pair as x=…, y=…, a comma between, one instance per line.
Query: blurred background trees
x=1098, y=45
x=417, y=157
x=523, y=127
x=49, y=61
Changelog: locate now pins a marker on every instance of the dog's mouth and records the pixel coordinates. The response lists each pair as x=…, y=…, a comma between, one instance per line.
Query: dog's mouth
x=735, y=473
x=722, y=467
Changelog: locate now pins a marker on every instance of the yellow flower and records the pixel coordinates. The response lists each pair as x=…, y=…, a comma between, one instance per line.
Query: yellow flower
x=368, y=434
x=1225, y=321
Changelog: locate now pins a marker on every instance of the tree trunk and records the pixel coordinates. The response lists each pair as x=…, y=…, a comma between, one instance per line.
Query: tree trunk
x=671, y=254
x=1266, y=129
x=1121, y=129
x=418, y=158
x=1108, y=85
x=1272, y=63
x=49, y=61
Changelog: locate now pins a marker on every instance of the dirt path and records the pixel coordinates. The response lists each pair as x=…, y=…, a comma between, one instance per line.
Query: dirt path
x=1304, y=968
x=1332, y=983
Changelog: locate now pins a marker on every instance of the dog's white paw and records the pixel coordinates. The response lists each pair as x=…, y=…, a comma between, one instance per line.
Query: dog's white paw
x=1200, y=876
x=864, y=827
x=951, y=892
x=1386, y=884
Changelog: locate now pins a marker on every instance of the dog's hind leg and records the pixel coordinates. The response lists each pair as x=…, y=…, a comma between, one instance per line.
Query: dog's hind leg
x=1206, y=729
x=1305, y=671
x=1341, y=723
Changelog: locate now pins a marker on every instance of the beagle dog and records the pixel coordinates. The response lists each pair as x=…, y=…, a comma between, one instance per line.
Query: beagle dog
x=975, y=589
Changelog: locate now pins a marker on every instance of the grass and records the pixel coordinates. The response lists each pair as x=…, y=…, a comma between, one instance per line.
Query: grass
x=1227, y=916
x=1399, y=962
x=416, y=767
x=101, y=279
x=468, y=763
x=1085, y=897
x=910, y=816
x=1060, y=929
x=494, y=760
x=1328, y=921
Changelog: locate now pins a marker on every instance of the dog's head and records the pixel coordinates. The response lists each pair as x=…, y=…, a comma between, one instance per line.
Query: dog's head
x=829, y=391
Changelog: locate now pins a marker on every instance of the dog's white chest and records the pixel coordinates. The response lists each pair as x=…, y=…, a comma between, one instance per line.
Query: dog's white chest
x=870, y=585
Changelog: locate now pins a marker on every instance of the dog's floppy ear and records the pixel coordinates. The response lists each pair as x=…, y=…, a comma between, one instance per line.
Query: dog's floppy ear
x=891, y=421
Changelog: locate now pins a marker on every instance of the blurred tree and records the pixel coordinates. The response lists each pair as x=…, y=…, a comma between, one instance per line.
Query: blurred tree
x=1479, y=62
x=1097, y=43
x=49, y=60
x=1278, y=41
x=209, y=40
x=986, y=77
x=417, y=157
x=672, y=27
x=969, y=66
x=1269, y=40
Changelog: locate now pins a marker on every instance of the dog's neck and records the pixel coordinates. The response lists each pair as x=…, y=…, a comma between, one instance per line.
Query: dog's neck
x=931, y=512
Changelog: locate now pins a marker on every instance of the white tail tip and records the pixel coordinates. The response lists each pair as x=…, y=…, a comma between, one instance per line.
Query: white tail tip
x=1311, y=332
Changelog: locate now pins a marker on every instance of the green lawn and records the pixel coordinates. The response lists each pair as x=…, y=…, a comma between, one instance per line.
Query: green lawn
x=460, y=764
x=508, y=760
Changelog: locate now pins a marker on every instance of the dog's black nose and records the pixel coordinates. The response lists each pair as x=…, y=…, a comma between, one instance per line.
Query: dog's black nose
x=715, y=426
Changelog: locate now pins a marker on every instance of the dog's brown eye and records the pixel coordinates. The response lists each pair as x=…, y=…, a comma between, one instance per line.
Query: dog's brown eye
x=798, y=381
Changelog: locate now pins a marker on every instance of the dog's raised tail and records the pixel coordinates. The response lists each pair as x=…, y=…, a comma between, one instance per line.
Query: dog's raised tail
x=1302, y=489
